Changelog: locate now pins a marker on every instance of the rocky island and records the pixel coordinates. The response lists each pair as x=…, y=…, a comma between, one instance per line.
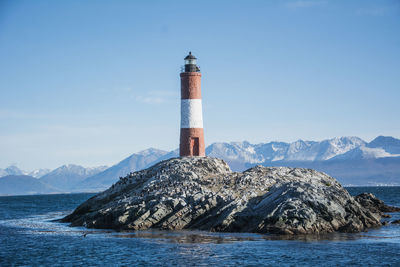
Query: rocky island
x=202, y=193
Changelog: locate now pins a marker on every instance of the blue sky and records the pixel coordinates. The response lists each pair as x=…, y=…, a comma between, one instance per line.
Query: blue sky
x=91, y=82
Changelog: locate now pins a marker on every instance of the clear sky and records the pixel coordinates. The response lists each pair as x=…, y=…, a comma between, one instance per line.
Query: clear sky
x=91, y=82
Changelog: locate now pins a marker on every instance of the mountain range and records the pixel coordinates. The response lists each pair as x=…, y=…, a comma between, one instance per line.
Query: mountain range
x=67, y=177
x=349, y=159
x=14, y=170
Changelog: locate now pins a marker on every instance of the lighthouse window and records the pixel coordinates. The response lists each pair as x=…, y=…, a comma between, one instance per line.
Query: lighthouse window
x=190, y=61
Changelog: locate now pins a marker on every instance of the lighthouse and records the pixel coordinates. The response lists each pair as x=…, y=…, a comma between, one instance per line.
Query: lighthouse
x=192, y=133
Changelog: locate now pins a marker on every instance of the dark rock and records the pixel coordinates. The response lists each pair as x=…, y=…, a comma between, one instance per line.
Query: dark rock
x=395, y=222
x=203, y=193
x=371, y=202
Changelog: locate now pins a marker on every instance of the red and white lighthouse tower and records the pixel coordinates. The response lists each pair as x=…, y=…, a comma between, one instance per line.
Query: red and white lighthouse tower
x=192, y=133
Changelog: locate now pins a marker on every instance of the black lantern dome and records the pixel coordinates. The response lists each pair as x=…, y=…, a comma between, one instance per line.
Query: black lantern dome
x=190, y=56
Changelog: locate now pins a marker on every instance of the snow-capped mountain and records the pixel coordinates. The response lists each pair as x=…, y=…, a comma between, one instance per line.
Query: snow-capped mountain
x=67, y=176
x=236, y=153
x=388, y=143
x=38, y=173
x=134, y=162
x=364, y=152
x=14, y=170
x=11, y=170
x=244, y=152
x=324, y=150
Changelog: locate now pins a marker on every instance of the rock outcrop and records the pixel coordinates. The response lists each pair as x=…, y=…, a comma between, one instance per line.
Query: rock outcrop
x=203, y=193
x=372, y=203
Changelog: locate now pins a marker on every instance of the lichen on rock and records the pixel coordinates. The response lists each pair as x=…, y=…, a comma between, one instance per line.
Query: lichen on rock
x=203, y=193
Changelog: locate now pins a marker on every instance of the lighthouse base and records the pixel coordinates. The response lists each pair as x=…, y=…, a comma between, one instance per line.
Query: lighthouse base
x=192, y=142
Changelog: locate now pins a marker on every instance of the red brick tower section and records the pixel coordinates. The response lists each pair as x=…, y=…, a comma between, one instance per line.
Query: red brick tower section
x=192, y=133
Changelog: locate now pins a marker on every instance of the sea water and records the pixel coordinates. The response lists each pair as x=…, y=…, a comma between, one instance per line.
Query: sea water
x=29, y=237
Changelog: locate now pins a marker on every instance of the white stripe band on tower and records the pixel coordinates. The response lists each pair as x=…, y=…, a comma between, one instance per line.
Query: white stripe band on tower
x=191, y=113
